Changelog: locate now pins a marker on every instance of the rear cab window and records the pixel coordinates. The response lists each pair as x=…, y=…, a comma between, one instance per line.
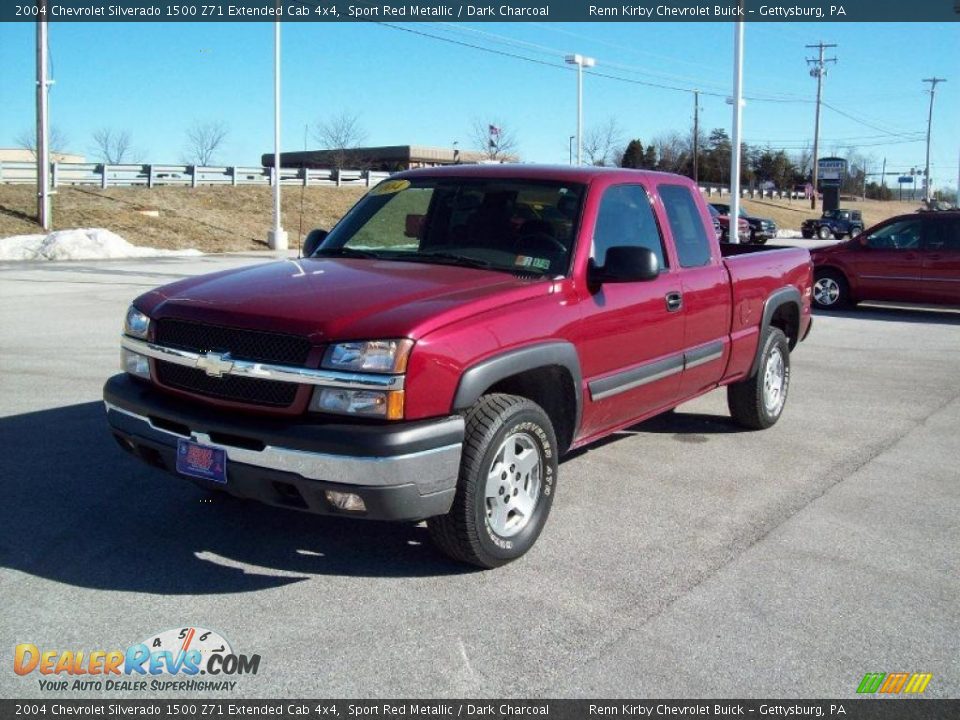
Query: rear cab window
x=686, y=225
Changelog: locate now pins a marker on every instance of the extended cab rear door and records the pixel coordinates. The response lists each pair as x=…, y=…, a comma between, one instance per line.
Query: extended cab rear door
x=705, y=287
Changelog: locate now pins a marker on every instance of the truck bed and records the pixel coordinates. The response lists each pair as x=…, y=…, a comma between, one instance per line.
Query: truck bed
x=756, y=273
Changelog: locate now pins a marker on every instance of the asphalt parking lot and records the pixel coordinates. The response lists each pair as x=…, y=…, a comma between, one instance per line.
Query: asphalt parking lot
x=682, y=558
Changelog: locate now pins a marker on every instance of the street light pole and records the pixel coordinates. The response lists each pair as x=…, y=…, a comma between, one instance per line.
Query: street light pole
x=570, y=144
x=277, y=237
x=926, y=174
x=43, y=124
x=581, y=61
x=733, y=229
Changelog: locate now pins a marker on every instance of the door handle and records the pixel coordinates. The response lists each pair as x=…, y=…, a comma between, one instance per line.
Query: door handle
x=674, y=301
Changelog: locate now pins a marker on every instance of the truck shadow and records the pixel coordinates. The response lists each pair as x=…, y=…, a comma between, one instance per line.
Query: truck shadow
x=927, y=315
x=78, y=510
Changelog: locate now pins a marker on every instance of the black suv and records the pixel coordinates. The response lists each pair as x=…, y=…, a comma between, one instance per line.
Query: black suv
x=838, y=223
x=761, y=229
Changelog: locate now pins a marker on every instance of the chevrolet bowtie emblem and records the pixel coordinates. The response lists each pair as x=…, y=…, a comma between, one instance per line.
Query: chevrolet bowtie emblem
x=215, y=364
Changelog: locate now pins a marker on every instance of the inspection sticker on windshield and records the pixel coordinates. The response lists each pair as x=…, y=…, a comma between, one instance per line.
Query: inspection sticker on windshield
x=526, y=261
x=389, y=187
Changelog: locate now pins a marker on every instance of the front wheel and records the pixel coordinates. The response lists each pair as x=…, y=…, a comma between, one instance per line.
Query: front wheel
x=508, y=476
x=830, y=290
x=757, y=402
x=823, y=232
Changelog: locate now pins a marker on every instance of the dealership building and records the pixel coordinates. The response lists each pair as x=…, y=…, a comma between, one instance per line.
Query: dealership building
x=391, y=158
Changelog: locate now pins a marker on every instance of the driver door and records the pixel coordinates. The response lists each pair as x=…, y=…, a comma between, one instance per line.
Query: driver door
x=889, y=265
x=631, y=334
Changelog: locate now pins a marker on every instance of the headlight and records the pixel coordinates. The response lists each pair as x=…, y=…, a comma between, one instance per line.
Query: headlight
x=379, y=356
x=367, y=403
x=136, y=324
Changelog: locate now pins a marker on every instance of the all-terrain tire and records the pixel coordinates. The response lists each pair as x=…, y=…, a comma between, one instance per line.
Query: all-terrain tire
x=467, y=533
x=757, y=402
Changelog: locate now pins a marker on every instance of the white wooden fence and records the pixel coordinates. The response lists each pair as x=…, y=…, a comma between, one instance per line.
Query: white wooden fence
x=104, y=175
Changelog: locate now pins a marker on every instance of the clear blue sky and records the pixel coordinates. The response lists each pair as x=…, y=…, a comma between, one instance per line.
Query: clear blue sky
x=154, y=79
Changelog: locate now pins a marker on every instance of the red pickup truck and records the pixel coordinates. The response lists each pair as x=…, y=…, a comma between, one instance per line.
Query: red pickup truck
x=459, y=330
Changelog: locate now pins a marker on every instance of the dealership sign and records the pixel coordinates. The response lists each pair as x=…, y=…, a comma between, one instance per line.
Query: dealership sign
x=831, y=171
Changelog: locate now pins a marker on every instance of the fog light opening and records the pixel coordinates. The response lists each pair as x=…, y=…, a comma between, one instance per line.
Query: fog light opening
x=348, y=502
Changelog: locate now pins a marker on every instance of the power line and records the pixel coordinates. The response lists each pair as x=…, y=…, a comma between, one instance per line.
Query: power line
x=863, y=122
x=903, y=136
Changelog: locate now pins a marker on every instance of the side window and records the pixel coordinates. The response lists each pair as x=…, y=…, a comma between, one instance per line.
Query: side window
x=898, y=235
x=626, y=218
x=689, y=233
x=943, y=234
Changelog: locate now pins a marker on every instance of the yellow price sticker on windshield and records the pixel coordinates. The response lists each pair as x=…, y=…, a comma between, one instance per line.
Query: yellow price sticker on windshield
x=389, y=187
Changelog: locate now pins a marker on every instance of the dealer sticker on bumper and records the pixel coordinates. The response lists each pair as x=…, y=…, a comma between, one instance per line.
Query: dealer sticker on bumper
x=201, y=461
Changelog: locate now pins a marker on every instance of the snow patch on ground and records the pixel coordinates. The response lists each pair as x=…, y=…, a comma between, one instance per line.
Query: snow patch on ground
x=789, y=234
x=79, y=244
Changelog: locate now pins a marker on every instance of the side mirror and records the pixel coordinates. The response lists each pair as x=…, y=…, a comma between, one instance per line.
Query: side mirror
x=313, y=240
x=863, y=240
x=626, y=263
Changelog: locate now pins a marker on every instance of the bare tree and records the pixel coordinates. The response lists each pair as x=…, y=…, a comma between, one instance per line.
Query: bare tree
x=603, y=144
x=204, y=139
x=672, y=151
x=341, y=135
x=28, y=140
x=494, y=140
x=113, y=147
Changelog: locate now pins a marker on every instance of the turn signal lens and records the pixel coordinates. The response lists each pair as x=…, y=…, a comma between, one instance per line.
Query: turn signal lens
x=134, y=363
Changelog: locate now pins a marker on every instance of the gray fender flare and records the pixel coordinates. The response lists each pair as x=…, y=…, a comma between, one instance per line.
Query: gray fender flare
x=477, y=378
x=777, y=299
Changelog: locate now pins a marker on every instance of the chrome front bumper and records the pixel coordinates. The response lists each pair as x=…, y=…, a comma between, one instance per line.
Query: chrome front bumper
x=291, y=463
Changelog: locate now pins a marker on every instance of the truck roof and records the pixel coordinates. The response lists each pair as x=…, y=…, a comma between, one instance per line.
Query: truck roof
x=557, y=173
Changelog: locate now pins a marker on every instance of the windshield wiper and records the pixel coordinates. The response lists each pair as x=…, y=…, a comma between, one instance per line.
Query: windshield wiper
x=345, y=252
x=454, y=259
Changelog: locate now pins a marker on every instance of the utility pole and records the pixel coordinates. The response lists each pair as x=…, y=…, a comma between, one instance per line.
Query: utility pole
x=883, y=179
x=926, y=175
x=696, y=136
x=43, y=122
x=818, y=69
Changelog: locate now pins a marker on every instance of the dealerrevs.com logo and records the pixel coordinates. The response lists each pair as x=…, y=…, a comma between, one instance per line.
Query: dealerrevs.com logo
x=184, y=654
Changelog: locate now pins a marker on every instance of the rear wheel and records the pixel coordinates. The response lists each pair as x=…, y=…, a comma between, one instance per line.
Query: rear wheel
x=507, y=480
x=830, y=289
x=758, y=401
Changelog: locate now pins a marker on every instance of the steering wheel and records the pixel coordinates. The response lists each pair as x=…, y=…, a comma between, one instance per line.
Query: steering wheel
x=534, y=241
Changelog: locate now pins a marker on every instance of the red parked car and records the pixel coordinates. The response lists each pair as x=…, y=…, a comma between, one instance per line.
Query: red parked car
x=722, y=222
x=909, y=258
x=458, y=331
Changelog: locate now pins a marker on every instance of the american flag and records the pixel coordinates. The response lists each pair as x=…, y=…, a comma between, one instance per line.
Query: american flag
x=494, y=130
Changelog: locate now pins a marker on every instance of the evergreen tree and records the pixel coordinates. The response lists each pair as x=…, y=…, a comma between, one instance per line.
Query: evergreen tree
x=633, y=156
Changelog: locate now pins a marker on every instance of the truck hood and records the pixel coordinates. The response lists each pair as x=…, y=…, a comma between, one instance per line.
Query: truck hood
x=328, y=299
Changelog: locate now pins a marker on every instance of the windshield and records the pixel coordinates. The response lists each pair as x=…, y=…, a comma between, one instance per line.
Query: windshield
x=498, y=224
